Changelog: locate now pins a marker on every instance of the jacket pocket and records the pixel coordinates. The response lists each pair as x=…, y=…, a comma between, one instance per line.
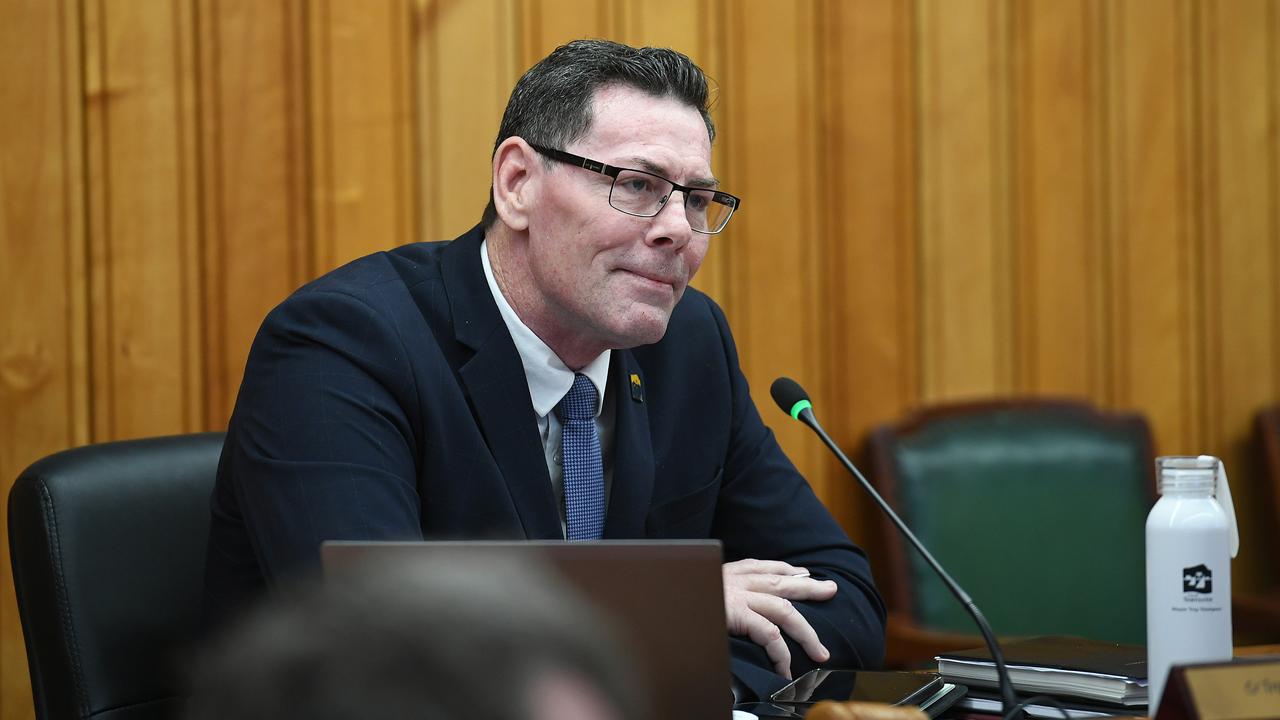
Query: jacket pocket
x=687, y=516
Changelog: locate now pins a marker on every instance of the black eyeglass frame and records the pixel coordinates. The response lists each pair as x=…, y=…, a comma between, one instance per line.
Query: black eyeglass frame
x=612, y=171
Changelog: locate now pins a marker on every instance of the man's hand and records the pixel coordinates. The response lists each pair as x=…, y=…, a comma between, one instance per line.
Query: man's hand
x=757, y=605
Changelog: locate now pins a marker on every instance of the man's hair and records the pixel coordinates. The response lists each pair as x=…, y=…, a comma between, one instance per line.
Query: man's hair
x=413, y=640
x=551, y=104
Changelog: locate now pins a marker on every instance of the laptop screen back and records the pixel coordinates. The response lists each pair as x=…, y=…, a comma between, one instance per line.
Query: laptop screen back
x=666, y=599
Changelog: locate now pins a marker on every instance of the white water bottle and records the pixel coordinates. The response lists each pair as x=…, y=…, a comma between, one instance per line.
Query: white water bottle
x=1191, y=538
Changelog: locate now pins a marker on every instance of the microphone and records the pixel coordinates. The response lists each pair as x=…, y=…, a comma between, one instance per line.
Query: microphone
x=794, y=401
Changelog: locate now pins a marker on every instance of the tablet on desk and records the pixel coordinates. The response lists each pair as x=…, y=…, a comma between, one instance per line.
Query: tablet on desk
x=665, y=597
x=927, y=691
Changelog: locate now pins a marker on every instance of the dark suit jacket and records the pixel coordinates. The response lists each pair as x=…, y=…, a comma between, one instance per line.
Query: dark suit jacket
x=386, y=400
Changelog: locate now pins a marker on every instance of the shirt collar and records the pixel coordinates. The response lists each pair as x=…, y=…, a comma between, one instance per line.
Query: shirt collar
x=549, y=379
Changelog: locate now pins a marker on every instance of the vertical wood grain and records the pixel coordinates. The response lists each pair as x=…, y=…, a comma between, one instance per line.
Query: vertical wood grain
x=547, y=24
x=868, y=207
x=361, y=115
x=708, y=50
x=147, y=380
x=43, y=344
x=1057, y=249
x=463, y=83
x=1241, y=328
x=255, y=219
x=774, y=280
x=966, y=348
x=1152, y=238
x=1273, y=83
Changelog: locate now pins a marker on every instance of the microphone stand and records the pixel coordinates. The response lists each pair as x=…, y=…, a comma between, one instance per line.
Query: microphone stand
x=1007, y=696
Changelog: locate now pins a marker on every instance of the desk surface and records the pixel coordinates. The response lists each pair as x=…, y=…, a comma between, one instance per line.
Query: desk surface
x=1255, y=650
x=1239, y=651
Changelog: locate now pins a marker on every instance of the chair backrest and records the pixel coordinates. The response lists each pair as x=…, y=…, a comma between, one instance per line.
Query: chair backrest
x=1036, y=507
x=108, y=549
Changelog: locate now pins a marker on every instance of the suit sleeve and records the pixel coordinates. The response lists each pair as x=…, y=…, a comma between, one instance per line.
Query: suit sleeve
x=320, y=445
x=766, y=509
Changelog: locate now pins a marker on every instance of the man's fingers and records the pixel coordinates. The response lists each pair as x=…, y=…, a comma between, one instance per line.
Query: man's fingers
x=751, y=566
x=789, y=587
x=767, y=635
x=782, y=614
x=758, y=596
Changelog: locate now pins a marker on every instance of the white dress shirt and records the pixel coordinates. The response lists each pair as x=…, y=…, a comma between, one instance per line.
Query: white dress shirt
x=549, y=379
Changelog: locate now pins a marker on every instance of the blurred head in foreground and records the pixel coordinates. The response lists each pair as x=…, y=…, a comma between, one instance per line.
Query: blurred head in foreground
x=418, y=640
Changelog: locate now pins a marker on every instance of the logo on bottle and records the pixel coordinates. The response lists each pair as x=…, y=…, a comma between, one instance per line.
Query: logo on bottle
x=1198, y=579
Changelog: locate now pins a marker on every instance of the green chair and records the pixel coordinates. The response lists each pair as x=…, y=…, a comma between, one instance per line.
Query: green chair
x=1036, y=507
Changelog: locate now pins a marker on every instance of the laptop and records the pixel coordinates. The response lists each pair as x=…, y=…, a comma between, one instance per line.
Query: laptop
x=666, y=599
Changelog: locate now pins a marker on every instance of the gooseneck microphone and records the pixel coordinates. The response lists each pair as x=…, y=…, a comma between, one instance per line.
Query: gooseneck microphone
x=794, y=401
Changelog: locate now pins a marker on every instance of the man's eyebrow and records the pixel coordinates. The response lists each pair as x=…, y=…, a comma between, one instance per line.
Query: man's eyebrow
x=651, y=167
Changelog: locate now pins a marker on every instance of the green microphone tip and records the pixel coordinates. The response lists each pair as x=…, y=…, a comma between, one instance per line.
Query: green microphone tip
x=800, y=407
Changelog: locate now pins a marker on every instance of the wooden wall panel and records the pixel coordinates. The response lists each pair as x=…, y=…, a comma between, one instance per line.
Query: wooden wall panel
x=463, y=81
x=1241, y=329
x=966, y=347
x=772, y=297
x=1273, y=83
x=362, y=118
x=1056, y=246
x=255, y=194
x=140, y=117
x=547, y=24
x=1152, y=228
x=868, y=203
x=43, y=371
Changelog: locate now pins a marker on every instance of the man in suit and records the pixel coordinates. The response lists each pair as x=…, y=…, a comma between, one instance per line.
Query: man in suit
x=548, y=374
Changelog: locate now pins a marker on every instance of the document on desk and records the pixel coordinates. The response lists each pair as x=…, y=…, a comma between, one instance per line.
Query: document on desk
x=1073, y=667
x=992, y=704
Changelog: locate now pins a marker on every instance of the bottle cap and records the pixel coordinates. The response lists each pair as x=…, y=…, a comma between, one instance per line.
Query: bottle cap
x=1203, y=473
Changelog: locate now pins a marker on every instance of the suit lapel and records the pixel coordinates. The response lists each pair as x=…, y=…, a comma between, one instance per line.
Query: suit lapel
x=495, y=383
x=632, y=488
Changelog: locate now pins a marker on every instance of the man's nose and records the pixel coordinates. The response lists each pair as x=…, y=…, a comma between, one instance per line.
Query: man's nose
x=671, y=224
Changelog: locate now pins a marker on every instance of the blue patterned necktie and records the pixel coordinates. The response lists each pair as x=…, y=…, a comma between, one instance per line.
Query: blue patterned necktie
x=583, y=467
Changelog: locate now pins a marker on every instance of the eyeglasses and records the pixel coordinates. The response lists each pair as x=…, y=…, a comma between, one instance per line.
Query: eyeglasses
x=643, y=194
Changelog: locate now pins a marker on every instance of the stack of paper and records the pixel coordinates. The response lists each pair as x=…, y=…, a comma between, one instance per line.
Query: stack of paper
x=1066, y=667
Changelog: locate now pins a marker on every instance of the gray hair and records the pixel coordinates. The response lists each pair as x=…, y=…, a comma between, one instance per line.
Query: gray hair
x=551, y=104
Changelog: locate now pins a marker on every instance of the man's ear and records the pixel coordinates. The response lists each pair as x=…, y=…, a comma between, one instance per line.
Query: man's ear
x=513, y=169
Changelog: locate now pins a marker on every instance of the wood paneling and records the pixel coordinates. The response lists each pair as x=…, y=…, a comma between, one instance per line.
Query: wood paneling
x=1056, y=247
x=464, y=79
x=361, y=88
x=44, y=386
x=256, y=223
x=966, y=309
x=1241, y=329
x=1152, y=238
x=942, y=198
x=141, y=172
x=868, y=213
x=774, y=285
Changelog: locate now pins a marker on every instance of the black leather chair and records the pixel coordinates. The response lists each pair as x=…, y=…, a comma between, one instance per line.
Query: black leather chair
x=108, y=545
